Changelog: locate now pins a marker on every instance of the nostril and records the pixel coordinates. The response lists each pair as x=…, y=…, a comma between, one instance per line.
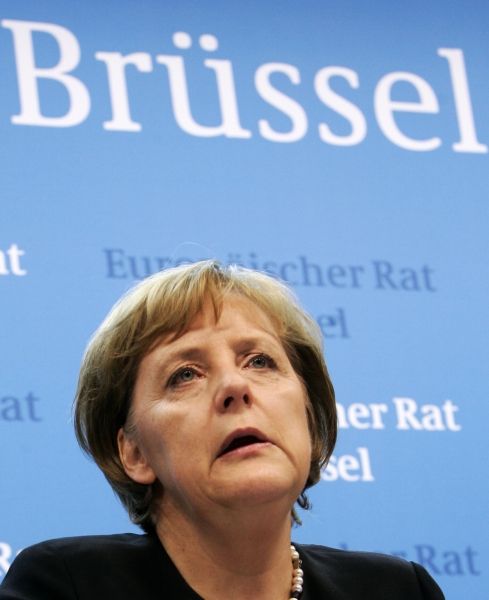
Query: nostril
x=227, y=401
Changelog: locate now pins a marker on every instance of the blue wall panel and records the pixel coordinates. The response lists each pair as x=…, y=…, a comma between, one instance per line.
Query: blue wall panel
x=342, y=147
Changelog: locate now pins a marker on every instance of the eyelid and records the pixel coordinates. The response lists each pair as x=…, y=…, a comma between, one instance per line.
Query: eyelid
x=172, y=380
x=271, y=362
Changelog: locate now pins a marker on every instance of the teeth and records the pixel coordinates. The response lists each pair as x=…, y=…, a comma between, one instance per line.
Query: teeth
x=239, y=442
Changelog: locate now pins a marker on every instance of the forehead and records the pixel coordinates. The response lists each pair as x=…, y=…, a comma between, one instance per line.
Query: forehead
x=233, y=310
x=237, y=316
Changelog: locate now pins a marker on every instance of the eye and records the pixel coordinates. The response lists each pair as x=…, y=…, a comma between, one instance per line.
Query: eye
x=261, y=361
x=183, y=375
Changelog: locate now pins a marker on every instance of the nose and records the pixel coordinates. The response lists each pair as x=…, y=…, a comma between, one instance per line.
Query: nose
x=233, y=392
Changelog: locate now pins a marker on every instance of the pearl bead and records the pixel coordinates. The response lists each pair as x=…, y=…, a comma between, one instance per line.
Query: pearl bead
x=297, y=574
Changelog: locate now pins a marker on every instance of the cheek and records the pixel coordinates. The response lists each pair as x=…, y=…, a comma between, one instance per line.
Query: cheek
x=301, y=414
x=304, y=404
x=307, y=435
x=152, y=428
x=307, y=420
x=168, y=436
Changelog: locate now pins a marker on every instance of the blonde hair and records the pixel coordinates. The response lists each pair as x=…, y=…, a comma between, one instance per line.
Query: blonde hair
x=166, y=303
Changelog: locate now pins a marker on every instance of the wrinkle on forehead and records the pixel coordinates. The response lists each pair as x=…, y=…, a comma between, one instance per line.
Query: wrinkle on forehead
x=247, y=325
x=210, y=314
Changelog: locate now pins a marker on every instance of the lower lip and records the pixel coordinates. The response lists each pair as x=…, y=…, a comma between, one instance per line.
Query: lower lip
x=245, y=451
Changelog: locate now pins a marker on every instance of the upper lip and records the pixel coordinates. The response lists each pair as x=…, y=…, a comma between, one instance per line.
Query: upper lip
x=239, y=433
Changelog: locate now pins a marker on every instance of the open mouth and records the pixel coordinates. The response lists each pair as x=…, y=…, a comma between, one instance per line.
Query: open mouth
x=240, y=441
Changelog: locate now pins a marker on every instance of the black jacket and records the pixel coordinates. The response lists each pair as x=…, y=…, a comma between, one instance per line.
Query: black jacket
x=136, y=567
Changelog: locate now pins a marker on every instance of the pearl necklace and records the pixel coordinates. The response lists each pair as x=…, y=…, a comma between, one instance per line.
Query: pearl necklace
x=297, y=574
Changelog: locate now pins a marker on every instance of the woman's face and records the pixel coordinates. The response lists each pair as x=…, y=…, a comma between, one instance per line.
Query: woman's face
x=219, y=415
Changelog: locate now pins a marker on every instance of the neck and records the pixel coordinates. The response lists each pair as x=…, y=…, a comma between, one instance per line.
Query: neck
x=248, y=553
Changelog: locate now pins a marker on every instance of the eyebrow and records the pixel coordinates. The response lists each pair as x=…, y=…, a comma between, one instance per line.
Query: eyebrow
x=183, y=354
x=192, y=353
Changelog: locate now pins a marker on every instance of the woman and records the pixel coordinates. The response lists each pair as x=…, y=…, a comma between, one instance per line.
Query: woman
x=205, y=400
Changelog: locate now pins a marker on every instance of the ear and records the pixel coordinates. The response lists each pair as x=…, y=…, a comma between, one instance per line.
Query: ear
x=133, y=460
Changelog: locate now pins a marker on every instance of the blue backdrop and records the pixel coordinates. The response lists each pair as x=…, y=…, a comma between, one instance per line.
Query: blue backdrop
x=338, y=145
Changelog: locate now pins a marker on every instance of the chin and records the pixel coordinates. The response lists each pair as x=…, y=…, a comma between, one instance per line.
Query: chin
x=262, y=486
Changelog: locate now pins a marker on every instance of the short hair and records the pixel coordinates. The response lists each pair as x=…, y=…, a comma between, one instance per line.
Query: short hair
x=166, y=303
